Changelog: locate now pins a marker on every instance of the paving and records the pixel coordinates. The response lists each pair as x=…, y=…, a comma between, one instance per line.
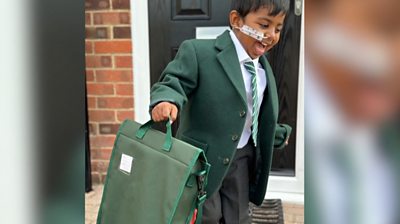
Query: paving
x=92, y=204
x=292, y=213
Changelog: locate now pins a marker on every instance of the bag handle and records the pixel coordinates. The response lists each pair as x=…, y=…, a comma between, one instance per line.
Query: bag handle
x=141, y=132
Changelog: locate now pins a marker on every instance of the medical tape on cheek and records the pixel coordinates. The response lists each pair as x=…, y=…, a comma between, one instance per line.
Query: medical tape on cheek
x=251, y=32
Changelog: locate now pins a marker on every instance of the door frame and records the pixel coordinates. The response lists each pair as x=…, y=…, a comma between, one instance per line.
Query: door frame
x=289, y=189
x=140, y=59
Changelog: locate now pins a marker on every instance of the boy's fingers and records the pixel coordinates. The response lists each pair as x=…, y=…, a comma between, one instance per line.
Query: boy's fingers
x=166, y=112
x=154, y=114
x=174, y=113
x=157, y=114
x=287, y=141
x=163, y=111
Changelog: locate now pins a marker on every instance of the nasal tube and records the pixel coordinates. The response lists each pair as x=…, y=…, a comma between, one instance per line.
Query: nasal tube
x=252, y=33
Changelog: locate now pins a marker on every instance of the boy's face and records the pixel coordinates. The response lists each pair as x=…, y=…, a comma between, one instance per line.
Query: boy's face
x=262, y=21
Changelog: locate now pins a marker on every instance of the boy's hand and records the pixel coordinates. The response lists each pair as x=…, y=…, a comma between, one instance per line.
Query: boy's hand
x=163, y=110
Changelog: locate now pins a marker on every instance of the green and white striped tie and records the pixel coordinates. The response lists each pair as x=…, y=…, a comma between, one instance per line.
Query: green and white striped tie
x=254, y=117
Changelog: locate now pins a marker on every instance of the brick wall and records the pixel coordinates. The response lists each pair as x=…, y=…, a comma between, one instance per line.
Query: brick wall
x=108, y=76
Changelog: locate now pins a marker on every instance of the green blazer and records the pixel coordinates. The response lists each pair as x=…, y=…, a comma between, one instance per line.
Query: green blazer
x=205, y=82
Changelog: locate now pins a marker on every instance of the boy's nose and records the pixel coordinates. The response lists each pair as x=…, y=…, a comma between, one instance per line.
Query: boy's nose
x=269, y=38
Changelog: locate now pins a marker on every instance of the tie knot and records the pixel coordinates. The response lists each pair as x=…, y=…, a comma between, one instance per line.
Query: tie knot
x=249, y=65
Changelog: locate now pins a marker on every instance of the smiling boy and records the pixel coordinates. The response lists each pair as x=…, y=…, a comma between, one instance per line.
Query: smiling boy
x=225, y=93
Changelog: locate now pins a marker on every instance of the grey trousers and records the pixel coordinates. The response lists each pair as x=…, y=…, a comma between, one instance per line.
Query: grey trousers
x=230, y=204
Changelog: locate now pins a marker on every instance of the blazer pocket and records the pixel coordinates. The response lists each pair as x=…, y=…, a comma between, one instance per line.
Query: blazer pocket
x=195, y=143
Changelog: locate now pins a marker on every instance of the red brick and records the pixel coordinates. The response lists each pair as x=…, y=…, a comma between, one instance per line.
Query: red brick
x=111, y=18
x=100, y=89
x=103, y=177
x=96, y=178
x=88, y=19
x=115, y=102
x=97, y=4
x=101, y=154
x=97, y=33
x=125, y=18
x=91, y=101
x=122, y=32
x=89, y=75
x=88, y=47
x=93, y=129
x=101, y=116
x=114, y=76
x=108, y=128
x=121, y=4
x=90, y=33
x=100, y=166
x=94, y=61
x=123, y=115
x=106, y=18
x=102, y=141
x=123, y=61
x=113, y=47
x=124, y=89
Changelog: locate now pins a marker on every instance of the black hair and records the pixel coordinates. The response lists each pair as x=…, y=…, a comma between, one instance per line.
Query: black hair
x=244, y=7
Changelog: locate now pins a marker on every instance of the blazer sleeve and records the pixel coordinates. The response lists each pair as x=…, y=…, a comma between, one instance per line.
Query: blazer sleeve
x=178, y=79
x=282, y=134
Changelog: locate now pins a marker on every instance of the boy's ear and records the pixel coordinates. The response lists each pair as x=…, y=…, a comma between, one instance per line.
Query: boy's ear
x=235, y=19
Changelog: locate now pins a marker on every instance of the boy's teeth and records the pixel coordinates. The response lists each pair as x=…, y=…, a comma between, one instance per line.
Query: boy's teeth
x=263, y=44
x=260, y=48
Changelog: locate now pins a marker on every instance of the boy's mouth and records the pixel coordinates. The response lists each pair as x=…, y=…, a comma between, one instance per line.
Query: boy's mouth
x=260, y=48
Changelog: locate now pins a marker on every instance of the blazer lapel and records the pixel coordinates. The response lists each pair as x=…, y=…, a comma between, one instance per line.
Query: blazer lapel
x=271, y=95
x=230, y=63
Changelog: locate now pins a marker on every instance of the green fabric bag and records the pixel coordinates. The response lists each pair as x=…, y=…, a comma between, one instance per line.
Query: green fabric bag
x=152, y=178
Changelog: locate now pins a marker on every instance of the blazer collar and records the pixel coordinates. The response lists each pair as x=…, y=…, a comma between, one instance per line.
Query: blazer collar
x=223, y=41
x=230, y=63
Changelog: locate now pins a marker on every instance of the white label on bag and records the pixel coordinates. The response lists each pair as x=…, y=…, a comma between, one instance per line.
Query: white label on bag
x=126, y=163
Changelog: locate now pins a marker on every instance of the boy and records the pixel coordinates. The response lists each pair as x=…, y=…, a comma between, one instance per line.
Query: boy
x=225, y=93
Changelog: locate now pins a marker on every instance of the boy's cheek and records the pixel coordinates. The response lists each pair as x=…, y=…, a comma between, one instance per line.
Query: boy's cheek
x=274, y=44
x=278, y=37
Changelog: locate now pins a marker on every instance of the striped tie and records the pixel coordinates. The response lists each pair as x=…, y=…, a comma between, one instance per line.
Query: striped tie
x=254, y=117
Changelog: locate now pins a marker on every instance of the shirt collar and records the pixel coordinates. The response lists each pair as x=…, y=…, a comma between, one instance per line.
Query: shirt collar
x=241, y=52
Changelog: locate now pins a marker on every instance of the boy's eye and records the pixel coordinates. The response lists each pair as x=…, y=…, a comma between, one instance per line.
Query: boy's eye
x=278, y=29
x=264, y=26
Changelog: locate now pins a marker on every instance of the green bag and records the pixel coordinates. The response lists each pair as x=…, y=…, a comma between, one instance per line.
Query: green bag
x=153, y=178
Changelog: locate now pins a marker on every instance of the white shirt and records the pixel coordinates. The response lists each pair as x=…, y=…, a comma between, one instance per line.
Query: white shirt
x=261, y=84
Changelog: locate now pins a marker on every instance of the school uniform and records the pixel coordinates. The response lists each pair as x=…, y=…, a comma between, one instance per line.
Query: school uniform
x=206, y=82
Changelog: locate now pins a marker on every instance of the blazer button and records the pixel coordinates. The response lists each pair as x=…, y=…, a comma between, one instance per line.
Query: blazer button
x=235, y=137
x=242, y=113
x=226, y=161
